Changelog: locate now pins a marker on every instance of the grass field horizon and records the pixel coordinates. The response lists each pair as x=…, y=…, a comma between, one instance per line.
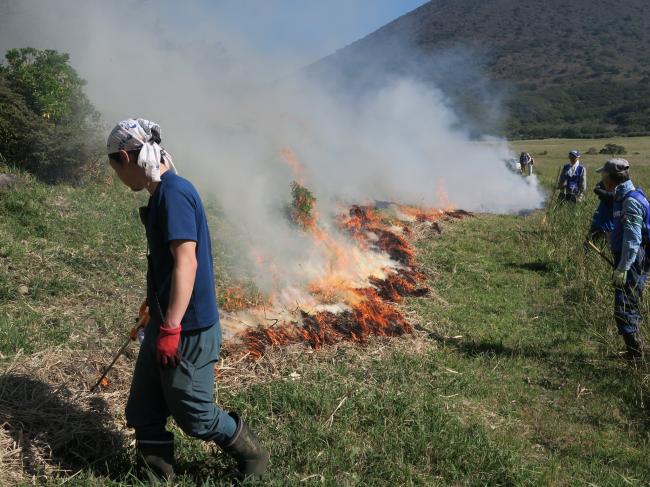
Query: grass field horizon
x=512, y=377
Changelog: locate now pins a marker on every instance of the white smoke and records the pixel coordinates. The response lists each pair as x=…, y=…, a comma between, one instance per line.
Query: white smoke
x=226, y=112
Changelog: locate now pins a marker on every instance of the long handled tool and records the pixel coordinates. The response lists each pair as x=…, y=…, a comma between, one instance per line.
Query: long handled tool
x=557, y=184
x=590, y=245
x=143, y=320
x=551, y=200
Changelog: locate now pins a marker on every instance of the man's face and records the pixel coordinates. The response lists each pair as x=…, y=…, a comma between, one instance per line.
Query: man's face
x=573, y=159
x=608, y=182
x=129, y=172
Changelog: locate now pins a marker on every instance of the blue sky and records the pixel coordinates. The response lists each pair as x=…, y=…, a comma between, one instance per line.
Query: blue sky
x=302, y=29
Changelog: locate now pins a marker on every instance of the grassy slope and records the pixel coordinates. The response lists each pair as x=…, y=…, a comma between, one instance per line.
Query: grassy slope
x=528, y=395
x=597, y=83
x=76, y=250
x=81, y=253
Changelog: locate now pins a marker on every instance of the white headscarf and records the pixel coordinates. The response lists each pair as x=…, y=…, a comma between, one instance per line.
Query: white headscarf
x=134, y=134
x=573, y=168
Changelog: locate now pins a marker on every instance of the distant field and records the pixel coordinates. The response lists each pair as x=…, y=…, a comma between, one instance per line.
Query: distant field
x=550, y=154
x=513, y=379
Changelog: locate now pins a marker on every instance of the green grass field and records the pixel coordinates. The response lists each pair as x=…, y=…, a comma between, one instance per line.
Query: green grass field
x=513, y=378
x=550, y=154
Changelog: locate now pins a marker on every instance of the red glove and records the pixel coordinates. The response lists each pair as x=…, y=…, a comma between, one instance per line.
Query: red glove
x=167, y=352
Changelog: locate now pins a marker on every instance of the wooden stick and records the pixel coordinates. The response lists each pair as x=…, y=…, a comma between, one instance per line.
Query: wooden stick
x=557, y=182
x=142, y=322
x=551, y=200
x=600, y=252
x=117, y=355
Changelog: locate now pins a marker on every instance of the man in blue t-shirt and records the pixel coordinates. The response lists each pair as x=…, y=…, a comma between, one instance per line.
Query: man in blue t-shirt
x=174, y=372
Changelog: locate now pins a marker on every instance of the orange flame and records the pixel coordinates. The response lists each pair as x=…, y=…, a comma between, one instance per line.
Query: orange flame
x=347, y=310
x=372, y=310
x=289, y=158
x=443, y=197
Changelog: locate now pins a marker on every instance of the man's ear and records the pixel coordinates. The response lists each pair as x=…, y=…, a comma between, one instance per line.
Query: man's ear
x=124, y=156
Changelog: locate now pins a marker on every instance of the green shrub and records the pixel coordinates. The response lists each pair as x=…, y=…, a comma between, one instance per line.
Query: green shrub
x=613, y=149
x=47, y=124
x=302, y=205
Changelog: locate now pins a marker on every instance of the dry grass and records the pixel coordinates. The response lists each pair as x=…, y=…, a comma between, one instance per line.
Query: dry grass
x=52, y=425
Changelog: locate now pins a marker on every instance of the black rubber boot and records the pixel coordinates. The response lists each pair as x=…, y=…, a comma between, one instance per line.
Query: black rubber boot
x=634, y=347
x=251, y=457
x=155, y=459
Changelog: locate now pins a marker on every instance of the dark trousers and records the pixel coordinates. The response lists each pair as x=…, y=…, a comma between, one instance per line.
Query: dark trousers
x=627, y=300
x=185, y=392
x=568, y=197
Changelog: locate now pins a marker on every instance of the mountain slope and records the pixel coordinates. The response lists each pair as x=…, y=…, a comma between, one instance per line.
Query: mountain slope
x=561, y=67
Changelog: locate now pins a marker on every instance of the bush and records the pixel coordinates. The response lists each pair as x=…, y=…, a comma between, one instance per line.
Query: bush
x=20, y=128
x=300, y=211
x=47, y=124
x=613, y=149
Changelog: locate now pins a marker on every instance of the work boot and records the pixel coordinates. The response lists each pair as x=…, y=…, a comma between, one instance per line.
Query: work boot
x=251, y=457
x=155, y=459
x=634, y=347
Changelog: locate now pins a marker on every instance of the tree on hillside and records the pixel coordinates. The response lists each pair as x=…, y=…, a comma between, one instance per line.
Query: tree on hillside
x=48, y=125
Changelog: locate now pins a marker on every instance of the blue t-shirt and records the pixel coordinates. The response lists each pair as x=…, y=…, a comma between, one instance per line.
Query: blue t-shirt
x=175, y=212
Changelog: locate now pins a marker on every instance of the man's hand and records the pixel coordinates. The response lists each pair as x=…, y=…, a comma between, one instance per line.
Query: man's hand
x=167, y=352
x=619, y=277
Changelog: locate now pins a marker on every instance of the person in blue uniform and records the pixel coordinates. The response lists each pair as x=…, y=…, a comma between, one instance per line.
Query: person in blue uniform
x=602, y=221
x=526, y=163
x=629, y=240
x=573, y=179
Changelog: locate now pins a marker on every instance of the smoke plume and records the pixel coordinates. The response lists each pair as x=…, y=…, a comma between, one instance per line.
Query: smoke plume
x=227, y=113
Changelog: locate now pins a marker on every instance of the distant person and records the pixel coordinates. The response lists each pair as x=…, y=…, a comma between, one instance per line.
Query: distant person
x=629, y=240
x=573, y=179
x=526, y=163
x=174, y=372
x=602, y=222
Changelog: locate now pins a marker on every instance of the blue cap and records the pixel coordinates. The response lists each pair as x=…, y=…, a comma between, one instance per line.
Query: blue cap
x=575, y=153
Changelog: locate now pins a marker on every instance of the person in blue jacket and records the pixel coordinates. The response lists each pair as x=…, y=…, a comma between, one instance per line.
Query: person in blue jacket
x=573, y=179
x=629, y=240
x=602, y=221
x=174, y=372
x=526, y=163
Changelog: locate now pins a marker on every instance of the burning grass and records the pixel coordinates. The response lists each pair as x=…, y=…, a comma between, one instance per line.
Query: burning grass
x=355, y=313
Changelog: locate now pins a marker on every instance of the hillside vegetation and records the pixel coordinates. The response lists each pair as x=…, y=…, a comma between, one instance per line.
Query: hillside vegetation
x=562, y=68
